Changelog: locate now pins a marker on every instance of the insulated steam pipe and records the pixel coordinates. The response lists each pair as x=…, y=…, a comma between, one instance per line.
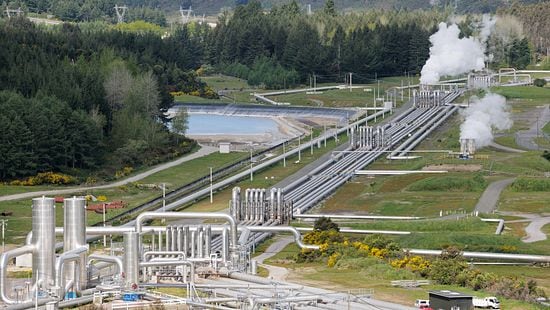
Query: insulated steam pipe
x=71, y=256
x=505, y=256
x=4, y=259
x=109, y=259
x=190, y=215
x=294, y=231
x=165, y=263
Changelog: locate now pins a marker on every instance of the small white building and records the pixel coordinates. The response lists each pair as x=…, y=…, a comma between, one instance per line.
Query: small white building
x=225, y=147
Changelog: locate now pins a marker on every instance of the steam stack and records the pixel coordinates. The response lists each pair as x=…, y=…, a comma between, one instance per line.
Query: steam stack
x=467, y=147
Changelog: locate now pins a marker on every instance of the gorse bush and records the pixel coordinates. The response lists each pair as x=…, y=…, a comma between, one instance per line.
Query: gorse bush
x=46, y=178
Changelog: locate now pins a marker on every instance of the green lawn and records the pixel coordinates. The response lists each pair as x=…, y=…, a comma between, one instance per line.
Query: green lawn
x=223, y=82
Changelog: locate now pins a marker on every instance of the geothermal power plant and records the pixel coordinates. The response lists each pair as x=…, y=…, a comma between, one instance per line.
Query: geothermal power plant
x=210, y=254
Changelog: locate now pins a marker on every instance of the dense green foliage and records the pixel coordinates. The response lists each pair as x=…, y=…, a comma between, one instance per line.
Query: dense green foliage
x=327, y=45
x=531, y=185
x=81, y=99
x=212, y=7
x=450, y=183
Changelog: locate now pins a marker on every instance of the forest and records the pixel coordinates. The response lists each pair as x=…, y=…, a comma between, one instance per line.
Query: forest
x=105, y=87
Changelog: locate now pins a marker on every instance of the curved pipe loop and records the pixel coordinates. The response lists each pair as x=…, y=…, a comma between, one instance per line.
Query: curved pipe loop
x=294, y=231
x=4, y=260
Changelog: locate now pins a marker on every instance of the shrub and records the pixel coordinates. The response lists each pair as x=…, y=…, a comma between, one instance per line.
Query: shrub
x=324, y=224
x=46, y=178
x=531, y=185
x=539, y=82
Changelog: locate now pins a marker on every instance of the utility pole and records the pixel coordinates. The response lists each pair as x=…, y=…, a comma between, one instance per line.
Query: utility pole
x=17, y=12
x=251, y=174
x=104, y=236
x=4, y=223
x=311, y=139
x=284, y=154
x=350, y=81
x=185, y=14
x=163, y=197
x=120, y=11
x=325, y=134
x=211, y=190
x=299, y=148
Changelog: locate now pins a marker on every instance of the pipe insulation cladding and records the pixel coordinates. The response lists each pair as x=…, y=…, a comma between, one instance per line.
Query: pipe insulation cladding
x=131, y=259
x=74, y=237
x=43, y=240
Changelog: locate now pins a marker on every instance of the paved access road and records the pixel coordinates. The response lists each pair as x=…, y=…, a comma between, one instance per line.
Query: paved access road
x=538, y=120
x=276, y=273
x=203, y=151
x=489, y=199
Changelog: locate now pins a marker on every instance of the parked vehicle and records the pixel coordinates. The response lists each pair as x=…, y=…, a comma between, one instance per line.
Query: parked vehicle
x=422, y=303
x=487, y=302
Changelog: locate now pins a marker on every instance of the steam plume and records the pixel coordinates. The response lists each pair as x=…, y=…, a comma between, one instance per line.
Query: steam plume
x=451, y=55
x=484, y=115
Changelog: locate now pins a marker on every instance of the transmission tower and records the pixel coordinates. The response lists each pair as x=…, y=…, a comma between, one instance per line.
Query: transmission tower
x=185, y=14
x=9, y=12
x=120, y=11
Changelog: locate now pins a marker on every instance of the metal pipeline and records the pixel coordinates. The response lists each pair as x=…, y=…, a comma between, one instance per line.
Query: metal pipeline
x=109, y=259
x=4, y=260
x=165, y=263
x=505, y=256
x=71, y=256
x=294, y=231
x=192, y=215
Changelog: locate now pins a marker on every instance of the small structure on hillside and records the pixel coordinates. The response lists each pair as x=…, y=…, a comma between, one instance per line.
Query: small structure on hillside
x=449, y=300
x=225, y=147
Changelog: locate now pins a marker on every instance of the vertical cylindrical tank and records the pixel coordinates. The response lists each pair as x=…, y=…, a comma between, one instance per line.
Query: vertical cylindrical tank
x=179, y=238
x=168, y=234
x=186, y=237
x=192, y=243
x=74, y=236
x=225, y=244
x=207, y=241
x=174, y=238
x=43, y=238
x=131, y=258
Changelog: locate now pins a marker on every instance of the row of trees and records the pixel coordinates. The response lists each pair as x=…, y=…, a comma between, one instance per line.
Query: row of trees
x=89, y=99
x=325, y=44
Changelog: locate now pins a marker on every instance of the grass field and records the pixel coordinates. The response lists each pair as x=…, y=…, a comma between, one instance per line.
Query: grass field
x=20, y=222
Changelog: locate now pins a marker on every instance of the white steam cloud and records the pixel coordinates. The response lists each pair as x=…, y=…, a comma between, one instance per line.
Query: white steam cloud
x=451, y=55
x=482, y=117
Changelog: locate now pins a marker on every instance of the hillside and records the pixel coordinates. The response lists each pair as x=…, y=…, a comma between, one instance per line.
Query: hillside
x=214, y=7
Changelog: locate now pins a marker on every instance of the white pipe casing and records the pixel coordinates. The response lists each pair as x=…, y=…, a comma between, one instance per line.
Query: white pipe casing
x=74, y=256
x=4, y=260
x=504, y=256
x=294, y=231
x=166, y=263
x=109, y=259
x=193, y=215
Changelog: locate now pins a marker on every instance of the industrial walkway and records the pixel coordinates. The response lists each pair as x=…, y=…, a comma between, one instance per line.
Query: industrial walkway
x=203, y=151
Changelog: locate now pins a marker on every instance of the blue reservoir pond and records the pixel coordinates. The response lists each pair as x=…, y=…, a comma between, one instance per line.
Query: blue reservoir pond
x=213, y=124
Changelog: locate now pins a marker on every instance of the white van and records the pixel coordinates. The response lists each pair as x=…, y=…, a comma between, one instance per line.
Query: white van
x=421, y=303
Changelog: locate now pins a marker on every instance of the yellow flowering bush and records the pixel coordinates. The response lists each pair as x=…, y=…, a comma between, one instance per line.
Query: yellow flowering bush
x=333, y=259
x=46, y=178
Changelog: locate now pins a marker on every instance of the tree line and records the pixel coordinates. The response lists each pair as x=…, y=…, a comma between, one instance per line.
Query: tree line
x=89, y=100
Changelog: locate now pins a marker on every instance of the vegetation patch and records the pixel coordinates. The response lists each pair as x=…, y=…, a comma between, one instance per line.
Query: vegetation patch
x=450, y=183
x=531, y=185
